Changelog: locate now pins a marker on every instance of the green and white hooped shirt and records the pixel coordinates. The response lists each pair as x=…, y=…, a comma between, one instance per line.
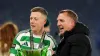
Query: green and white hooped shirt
x=22, y=41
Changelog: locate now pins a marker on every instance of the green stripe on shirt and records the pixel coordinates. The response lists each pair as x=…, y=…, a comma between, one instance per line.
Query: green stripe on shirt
x=12, y=50
x=35, y=39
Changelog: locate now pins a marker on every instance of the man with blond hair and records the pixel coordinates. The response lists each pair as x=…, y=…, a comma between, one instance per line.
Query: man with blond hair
x=36, y=37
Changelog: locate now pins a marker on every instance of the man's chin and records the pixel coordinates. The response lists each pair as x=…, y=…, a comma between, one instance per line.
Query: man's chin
x=61, y=33
x=33, y=29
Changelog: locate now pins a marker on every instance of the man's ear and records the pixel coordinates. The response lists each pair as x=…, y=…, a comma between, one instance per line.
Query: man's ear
x=73, y=24
x=45, y=21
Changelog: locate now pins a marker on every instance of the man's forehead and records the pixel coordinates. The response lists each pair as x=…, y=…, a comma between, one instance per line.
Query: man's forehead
x=61, y=16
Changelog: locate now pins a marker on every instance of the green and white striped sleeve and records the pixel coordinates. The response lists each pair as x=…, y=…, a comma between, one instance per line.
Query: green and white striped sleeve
x=15, y=46
x=52, y=47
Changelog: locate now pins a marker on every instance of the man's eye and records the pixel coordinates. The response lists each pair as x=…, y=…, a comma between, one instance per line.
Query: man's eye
x=35, y=18
x=31, y=18
x=62, y=20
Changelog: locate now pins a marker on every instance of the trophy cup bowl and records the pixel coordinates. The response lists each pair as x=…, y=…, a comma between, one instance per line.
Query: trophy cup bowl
x=34, y=52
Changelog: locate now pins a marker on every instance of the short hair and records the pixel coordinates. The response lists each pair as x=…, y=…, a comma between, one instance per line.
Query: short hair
x=40, y=9
x=70, y=13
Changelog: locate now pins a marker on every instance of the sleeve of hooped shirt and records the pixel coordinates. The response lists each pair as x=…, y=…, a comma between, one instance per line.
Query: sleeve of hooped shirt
x=52, y=47
x=15, y=47
x=53, y=43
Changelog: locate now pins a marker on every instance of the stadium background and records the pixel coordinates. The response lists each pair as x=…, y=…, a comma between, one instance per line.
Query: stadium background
x=88, y=11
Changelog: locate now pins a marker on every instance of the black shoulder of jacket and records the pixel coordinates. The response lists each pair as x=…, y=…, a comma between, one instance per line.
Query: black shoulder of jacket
x=82, y=38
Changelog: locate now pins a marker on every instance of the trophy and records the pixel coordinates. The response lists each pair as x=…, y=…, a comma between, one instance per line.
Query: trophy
x=34, y=52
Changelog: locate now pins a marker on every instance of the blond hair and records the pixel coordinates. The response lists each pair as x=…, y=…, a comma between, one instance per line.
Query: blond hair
x=40, y=9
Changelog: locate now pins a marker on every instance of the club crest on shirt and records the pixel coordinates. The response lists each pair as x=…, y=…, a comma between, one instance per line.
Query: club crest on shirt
x=25, y=44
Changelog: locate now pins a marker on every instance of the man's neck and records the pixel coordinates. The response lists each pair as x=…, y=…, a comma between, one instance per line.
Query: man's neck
x=38, y=33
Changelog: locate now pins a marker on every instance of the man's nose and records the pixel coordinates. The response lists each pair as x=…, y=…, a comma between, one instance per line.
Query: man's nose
x=58, y=23
x=32, y=21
